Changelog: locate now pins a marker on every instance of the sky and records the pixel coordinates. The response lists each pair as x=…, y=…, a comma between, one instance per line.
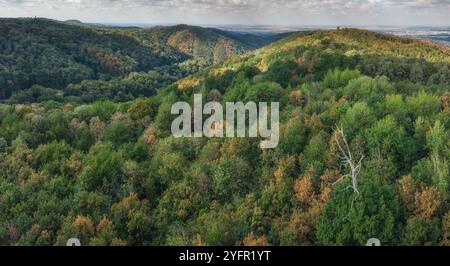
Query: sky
x=247, y=12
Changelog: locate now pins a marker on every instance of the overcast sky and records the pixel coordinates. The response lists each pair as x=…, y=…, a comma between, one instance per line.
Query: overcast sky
x=267, y=12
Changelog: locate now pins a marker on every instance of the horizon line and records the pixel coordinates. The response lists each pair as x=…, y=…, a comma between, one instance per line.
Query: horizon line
x=110, y=23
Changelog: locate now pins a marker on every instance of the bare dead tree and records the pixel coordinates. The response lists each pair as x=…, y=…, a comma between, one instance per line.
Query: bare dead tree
x=347, y=160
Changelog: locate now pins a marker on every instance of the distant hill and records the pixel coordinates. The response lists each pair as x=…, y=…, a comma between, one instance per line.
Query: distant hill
x=74, y=22
x=207, y=45
x=352, y=42
x=374, y=54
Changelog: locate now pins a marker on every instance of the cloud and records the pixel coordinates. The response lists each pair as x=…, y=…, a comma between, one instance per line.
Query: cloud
x=300, y=11
x=240, y=4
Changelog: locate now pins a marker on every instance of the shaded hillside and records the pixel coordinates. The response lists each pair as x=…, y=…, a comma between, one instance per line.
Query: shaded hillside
x=205, y=45
x=53, y=54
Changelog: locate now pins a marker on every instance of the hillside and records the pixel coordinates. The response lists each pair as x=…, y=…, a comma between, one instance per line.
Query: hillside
x=312, y=54
x=363, y=42
x=352, y=43
x=364, y=151
x=46, y=57
x=206, y=45
x=53, y=54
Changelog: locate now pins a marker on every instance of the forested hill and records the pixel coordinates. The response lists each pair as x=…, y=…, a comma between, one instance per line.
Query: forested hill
x=206, y=44
x=51, y=55
x=112, y=173
x=351, y=43
x=308, y=56
x=362, y=42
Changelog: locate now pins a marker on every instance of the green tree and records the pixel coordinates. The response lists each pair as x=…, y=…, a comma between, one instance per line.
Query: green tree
x=375, y=214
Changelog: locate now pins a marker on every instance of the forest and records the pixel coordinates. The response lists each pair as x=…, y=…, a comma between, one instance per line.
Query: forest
x=364, y=145
x=42, y=59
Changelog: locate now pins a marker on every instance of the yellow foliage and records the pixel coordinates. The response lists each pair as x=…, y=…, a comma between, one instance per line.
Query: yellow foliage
x=427, y=202
x=126, y=205
x=189, y=83
x=446, y=230
x=104, y=225
x=325, y=195
x=68, y=107
x=304, y=190
x=296, y=98
x=116, y=242
x=253, y=241
x=84, y=224
x=445, y=100
x=218, y=72
x=407, y=192
x=22, y=109
x=198, y=242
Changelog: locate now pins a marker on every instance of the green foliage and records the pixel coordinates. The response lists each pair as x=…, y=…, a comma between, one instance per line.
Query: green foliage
x=375, y=213
x=75, y=163
x=51, y=157
x=421, y=232
x=438, y=142
x=102, y=170
x=335, y=78
x=285, y=72
x=294, y=138
x=388, y=140
x=232, y=177
x=357, y=119
x=48, y=53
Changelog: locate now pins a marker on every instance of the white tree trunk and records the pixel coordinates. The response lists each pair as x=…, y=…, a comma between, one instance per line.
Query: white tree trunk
x=348, y=161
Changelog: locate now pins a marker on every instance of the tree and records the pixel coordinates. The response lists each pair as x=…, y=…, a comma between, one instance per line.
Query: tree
x=408, y=189
x=254, y=241
x=348, y=161
x=97, y=128
x=52, y=157
x=387, y=140
x=141, y=108
x=446, y=229
x=103, y=170
x=215, y=226
x=80, y=227
x=294, y=137
x=427, y=203
x=132, y=220
x=231, y=177
x=104, y=232
x=285, y=72
x=121, y=129
x=336, y=78
x=375, y=214
x=439, y=144
x=420, y=232
x=357, y=118
x=304, y=190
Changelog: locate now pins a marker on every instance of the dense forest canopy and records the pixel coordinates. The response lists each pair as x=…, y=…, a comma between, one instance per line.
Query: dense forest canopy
x=110, y=173
x=42, y=59
x=51, y=54
x=205, y=45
